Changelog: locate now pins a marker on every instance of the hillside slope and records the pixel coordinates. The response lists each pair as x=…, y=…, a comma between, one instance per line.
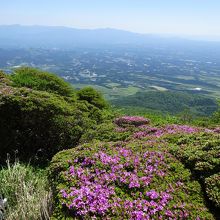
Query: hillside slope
x=41, y=114
x=139, y=177
x=171, y=102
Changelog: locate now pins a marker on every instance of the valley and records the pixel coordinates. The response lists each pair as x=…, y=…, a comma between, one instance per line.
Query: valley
x=121, y=71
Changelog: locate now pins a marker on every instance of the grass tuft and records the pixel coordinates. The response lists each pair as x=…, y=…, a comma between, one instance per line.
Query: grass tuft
x=27, y=192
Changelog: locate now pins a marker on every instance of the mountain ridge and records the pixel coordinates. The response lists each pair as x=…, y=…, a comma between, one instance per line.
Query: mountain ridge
x=67, y=37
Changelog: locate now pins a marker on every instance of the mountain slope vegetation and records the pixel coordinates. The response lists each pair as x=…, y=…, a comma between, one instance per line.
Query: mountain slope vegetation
x=98, y=164
x=140, y=177
x=41, y=114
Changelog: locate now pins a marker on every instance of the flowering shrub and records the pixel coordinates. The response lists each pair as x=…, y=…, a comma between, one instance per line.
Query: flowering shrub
x=125, y=181
x=131, y=120
x=140, y=176
x=217, y=130
x=147, y=131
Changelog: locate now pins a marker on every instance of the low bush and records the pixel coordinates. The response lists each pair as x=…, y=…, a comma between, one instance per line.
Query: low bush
x=131, y=120
x=200, y=153
x=40, y=80
x=37, y=124
x=106, y=132
x=212, y=184
x=92, y=96
x=136, y=180
x=149, y=131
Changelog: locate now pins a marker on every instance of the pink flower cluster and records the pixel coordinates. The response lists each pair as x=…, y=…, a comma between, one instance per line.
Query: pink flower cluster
x=169, y=129
x=117, y=183
x=131, y=120
x=217, y=130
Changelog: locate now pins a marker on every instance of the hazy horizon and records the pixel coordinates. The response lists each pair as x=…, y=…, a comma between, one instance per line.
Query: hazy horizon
x=193, y=18
x=164, y=35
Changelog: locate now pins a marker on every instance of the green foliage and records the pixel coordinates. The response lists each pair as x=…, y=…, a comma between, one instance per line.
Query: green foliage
x=105, y=132
x=202, y=122
x=37, y=124
x=92, y=96
x=185, y=116
x=26, y=190
x=200, y=153
x=169, y=102
x=156, y=118
x=212, y=184
x=190, y=194
x=216, y=115
x=39, y=80
x=40, y=115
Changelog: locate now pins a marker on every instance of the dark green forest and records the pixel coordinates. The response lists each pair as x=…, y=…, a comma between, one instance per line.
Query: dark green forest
x=171, y=102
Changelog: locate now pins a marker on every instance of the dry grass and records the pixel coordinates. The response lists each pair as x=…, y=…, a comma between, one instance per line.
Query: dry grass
x=27, y=192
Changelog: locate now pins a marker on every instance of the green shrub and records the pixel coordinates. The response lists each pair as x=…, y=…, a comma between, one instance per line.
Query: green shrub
x=39, y=80
x=92, y=96
x=200, y=153
x=37, y=124
x=156, y=118
x=186, y=193
x=213, y=189
x=105, y=132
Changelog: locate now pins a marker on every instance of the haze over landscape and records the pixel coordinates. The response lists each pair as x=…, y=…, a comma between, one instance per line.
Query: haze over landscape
x=109, y=109
x=189, y=17
x=122, y=48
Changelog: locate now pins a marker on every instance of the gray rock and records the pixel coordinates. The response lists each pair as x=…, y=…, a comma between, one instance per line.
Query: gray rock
x=3, y=206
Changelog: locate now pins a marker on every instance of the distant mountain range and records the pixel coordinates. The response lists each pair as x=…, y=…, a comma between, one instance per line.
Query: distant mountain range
x=64, y=37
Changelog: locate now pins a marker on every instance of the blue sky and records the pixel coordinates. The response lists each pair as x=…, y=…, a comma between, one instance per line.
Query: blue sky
x=180, y=17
